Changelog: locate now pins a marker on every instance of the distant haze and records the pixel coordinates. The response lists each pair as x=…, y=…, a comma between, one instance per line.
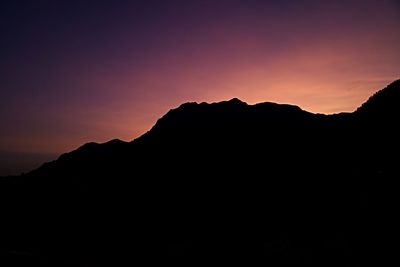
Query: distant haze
x=77, y=71
x=15, y=163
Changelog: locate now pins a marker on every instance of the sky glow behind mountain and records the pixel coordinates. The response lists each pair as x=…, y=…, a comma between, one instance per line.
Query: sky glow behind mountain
x=79, y=71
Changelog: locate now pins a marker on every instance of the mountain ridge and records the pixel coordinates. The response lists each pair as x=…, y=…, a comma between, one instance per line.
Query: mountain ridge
x=226, y=183
x=186, y=112
x=235, y=103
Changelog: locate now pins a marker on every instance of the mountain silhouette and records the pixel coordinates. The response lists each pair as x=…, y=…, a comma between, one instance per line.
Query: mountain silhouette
x=217, y=184
x=383, y=103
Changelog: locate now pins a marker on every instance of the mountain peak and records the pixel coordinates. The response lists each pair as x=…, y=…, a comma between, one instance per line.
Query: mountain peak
x=236, y=101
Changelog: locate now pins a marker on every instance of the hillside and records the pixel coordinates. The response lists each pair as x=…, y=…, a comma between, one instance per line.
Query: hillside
x=217, y=184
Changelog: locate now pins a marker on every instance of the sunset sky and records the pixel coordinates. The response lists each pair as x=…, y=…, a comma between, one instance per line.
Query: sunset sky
x=91, y=70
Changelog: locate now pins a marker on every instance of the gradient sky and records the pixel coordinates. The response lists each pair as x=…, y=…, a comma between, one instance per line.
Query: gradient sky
x=78, y=71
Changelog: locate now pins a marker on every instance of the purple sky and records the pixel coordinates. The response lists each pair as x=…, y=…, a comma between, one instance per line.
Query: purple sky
x=79, y=71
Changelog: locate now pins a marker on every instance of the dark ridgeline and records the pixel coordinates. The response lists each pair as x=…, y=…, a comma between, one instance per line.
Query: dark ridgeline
x=217, y=184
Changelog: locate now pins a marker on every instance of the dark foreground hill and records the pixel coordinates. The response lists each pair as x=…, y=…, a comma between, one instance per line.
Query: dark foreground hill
x=217, y=184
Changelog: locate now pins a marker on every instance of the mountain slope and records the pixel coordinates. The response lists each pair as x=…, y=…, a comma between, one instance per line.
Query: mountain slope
x=383, y=103
x=217, y=184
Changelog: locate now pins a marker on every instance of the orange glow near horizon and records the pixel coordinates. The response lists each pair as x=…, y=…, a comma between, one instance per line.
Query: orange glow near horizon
x=95, y=77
